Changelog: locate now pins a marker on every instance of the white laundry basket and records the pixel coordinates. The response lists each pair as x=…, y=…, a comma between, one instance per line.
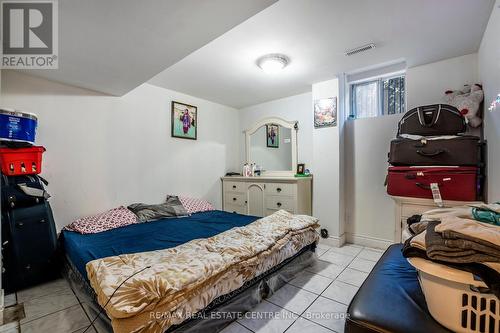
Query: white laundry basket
x=456, y=300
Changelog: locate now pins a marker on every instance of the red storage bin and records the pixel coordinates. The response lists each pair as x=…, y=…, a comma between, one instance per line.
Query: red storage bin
x=455, y=183
x=21, y=161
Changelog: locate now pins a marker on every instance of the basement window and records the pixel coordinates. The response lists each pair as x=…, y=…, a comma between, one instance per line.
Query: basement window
x=377, y=97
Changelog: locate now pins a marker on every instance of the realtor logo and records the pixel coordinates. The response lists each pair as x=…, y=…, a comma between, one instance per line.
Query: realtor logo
x=29, y=34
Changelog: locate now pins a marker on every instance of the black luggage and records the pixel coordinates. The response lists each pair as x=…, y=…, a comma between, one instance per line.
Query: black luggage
x=432, y=120
x=29, y=250
x=23, y=191
x=457, y=151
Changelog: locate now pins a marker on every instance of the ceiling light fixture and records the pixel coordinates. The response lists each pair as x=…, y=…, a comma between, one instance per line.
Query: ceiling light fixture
x=273, y=63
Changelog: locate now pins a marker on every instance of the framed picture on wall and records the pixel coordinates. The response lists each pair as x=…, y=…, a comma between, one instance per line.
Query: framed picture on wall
x=325, y=112
x=184, y=121
x=273, y=136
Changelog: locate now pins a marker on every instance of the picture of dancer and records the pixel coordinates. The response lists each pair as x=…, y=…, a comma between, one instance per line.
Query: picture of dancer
x=184, y=121
x=273, y=136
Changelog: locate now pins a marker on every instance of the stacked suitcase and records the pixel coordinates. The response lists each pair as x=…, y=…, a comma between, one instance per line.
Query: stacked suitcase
x=432, y=157
x=28, y=229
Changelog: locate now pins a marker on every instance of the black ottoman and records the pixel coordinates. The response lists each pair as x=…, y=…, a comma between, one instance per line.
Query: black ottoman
x=390, y=299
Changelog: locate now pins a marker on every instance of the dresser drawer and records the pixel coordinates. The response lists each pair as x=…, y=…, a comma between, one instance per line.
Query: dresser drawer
x=240, y=187
x=235, y=209
x=235, y=199
x=277, y=202
x=280, y=189
x=410, y=210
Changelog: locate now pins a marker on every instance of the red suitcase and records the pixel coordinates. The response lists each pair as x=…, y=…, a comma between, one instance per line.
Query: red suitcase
x=455, y=183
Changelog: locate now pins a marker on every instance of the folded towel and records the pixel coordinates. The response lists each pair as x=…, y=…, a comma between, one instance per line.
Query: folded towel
x=437, y=249
x=418, y=227
x=489, y=273
x=494, y=207
x=439, y=213
x=487, y=213
x=418, y=241
x=479, y=232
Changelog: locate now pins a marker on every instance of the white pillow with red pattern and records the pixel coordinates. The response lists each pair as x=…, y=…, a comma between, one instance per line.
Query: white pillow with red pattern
x=112, y=219
x=193, y=205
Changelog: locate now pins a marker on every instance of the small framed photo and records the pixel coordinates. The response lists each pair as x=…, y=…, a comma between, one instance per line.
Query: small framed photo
x=273, y=136
x=301, y=168
x=325, y=112
x=184, y=121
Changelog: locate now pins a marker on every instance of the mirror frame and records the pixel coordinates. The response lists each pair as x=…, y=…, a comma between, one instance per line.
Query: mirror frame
x=293, y=126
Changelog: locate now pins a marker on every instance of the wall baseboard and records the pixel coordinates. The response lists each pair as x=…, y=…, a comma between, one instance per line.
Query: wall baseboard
x=334, y=241
x=374, y=242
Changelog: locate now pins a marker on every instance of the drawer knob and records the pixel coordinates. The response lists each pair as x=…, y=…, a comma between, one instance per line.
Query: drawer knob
x=20, y=224
x=42, y=221
x=234, y=199
x=234, y=186
x=278, y=189
x=278, y=204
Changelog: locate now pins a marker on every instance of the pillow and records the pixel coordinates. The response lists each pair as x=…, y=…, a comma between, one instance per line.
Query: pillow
x=114, y=218
x=193, y=205
x=171, y=208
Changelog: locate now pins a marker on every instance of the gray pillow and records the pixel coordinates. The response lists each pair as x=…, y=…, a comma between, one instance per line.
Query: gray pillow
x=171, y=208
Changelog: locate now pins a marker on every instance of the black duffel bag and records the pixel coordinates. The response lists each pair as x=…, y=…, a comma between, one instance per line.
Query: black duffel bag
x=23, y=191
x=432, y=120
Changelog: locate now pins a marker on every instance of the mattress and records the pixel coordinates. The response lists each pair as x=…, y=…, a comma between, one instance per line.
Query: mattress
x=150, y=236
x=278, y=239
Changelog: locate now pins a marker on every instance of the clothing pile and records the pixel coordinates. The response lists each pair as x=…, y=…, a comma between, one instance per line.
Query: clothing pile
x=466, y=238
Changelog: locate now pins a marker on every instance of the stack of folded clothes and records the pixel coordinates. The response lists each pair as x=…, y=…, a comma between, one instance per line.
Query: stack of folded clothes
x=465, y=238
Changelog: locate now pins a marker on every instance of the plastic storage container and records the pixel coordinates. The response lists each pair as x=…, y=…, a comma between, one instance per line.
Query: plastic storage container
x=456, y=300
x=17, y=126
x=21, y=161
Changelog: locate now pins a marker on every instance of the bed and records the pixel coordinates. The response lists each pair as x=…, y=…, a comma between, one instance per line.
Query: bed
x=129, y=247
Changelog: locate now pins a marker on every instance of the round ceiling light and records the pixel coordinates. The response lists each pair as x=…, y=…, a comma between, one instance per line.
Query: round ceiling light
x=273, y=63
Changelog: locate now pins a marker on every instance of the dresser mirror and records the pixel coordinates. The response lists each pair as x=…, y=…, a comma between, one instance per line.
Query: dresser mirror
x=272, y=145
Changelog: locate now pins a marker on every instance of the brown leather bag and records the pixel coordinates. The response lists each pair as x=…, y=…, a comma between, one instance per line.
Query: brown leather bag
x=461, y=150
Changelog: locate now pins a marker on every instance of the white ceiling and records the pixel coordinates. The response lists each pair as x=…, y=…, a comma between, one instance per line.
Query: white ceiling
x=113, y=46
x=315, y=34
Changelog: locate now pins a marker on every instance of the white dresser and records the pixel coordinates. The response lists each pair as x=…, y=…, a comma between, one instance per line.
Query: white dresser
x=262, y=196
x=407, y=207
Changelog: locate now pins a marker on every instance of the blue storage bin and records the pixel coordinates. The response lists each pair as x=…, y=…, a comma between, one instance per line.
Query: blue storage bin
x=17, y=126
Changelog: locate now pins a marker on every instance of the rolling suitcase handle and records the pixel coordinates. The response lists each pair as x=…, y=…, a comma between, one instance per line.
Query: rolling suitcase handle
x=436, y=153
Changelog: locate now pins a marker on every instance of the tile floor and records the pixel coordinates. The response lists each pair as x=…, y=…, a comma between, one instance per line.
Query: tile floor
x=314, y=302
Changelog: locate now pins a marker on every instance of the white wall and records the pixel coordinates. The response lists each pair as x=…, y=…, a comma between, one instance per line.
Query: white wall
x=426, y=84
x=370, y=211
x=489, y=67
x=107, y=151
x=294, y=108
x=327, y=189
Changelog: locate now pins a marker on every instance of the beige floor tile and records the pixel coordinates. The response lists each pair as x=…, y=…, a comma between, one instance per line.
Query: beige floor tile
x=352, y=276
x=314, y=283
x=44, y=305
x=65, y=321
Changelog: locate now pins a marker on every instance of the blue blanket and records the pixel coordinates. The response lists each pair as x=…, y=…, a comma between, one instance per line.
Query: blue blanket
x=149, y=236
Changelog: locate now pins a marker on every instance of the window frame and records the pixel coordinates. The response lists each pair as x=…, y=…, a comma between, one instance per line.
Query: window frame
x=379, y=80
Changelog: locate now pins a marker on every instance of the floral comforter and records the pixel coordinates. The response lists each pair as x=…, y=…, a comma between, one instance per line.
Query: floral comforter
x=173, y=284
